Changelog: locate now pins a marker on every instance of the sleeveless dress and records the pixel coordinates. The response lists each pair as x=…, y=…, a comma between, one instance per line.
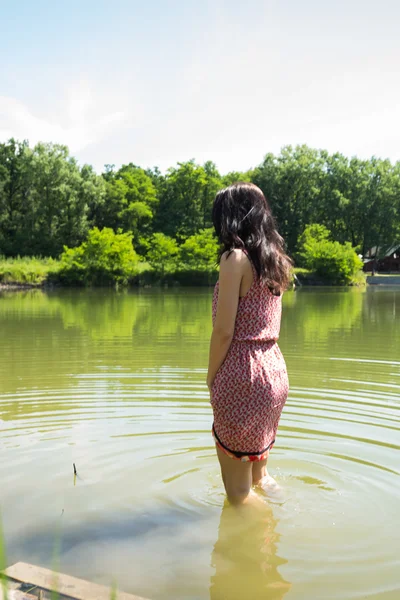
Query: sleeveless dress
x=251, y=386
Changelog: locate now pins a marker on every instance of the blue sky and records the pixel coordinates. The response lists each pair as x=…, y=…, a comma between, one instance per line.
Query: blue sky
x=157, y=82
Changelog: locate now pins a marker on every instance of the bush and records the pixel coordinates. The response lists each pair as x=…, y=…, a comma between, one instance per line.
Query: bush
x=162, y=253
x=312, y=236
x=200, y=251
x=192, y=263
x=104, y=258
x=338, y=263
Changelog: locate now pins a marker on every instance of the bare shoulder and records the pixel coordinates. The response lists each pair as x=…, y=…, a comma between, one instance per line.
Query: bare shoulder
x=234, y=260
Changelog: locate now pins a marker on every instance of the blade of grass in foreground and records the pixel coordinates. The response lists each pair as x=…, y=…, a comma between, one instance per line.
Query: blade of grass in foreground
x=56, y=563
x=3, y=563
x=113, y=591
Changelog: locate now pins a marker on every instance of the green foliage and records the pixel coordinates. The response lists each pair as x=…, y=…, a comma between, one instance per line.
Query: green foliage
x=301, y=271
x=14, y=205
x=236, y=176
x=27, y=270
x=104, y=258
x=131, y=199
x=162, y=253
x=358, y=201
x=194, y=261
x=186, y=198
x=45, y=199
x=309, y=242
x=200, y=251
x=330, y=260
x=359, y=279
x=292, y=182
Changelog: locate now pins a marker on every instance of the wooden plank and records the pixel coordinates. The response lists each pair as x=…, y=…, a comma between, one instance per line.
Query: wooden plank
x=78, y=589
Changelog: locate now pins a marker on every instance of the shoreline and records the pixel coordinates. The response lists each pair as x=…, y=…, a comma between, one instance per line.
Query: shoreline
x=15, y=286
x=303, y=281
x=23, y=287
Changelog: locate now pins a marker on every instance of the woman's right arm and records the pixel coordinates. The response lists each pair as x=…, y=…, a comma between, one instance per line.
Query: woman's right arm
x=230, y=277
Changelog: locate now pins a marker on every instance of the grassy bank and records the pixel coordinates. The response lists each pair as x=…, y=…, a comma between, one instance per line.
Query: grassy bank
x=27, y=271
x=37, y=272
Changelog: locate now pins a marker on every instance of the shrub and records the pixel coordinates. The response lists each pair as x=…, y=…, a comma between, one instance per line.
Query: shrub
x=312, y=236
x=104, y=258
x=200, y=251
x=338, y=263
x=162, y=253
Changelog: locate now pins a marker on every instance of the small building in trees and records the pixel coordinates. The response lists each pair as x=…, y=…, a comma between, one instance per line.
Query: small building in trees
x=383, y=259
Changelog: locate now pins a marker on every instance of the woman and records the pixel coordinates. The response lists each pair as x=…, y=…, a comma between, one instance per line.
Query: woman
x=247, y=375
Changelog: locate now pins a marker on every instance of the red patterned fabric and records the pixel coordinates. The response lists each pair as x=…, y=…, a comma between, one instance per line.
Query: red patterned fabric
x=251, y=387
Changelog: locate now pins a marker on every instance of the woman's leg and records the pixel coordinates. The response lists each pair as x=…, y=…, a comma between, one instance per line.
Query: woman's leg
x=259, y=470
x=237, y=477
x=261, y=478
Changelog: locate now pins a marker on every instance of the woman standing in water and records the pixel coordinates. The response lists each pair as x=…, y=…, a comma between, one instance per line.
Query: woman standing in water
x=247, y=375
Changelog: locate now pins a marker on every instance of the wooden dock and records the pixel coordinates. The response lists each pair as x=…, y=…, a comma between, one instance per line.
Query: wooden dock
x=28, y=582
x=383, y=279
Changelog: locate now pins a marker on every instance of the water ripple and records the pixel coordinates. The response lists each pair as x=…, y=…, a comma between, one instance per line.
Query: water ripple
x=138, y=430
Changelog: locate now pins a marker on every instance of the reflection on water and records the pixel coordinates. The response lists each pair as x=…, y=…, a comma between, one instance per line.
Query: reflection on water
x=114, y=382
x=245, y=556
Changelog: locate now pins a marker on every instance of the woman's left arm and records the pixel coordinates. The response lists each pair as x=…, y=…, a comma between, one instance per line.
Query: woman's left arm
x=230, y=277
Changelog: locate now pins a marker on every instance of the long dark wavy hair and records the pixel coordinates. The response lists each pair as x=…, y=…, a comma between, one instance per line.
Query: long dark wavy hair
x=243, y=219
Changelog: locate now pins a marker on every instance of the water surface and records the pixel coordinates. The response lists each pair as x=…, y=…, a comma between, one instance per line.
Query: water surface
x=114, y=382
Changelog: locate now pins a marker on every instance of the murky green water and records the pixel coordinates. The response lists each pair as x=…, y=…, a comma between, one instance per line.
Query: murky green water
x=115, y=383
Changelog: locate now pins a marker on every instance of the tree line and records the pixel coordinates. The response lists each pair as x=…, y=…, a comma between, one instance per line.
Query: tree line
x=48, y=201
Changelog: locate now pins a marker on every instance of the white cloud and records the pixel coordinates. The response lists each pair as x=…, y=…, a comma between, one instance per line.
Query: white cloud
x=83, y=122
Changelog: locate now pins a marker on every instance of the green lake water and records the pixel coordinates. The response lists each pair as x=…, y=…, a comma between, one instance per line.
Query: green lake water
x=114, y=382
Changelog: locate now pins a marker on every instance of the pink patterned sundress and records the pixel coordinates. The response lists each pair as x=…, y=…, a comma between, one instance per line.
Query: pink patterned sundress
x=251, y=387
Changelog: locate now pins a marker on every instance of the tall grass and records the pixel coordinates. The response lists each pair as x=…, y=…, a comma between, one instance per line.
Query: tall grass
x=30, y=270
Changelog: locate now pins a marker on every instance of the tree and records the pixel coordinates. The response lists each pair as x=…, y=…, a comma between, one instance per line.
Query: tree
x=212, y=186
x=15, y=208
x=162, y=252
x=200, y=251
x=44, y=198
x=131, y=199
x=361, y=201
x=61, y=197
x=47, y=200
x=186, y=199
x=292, y=183
x=236, y=176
